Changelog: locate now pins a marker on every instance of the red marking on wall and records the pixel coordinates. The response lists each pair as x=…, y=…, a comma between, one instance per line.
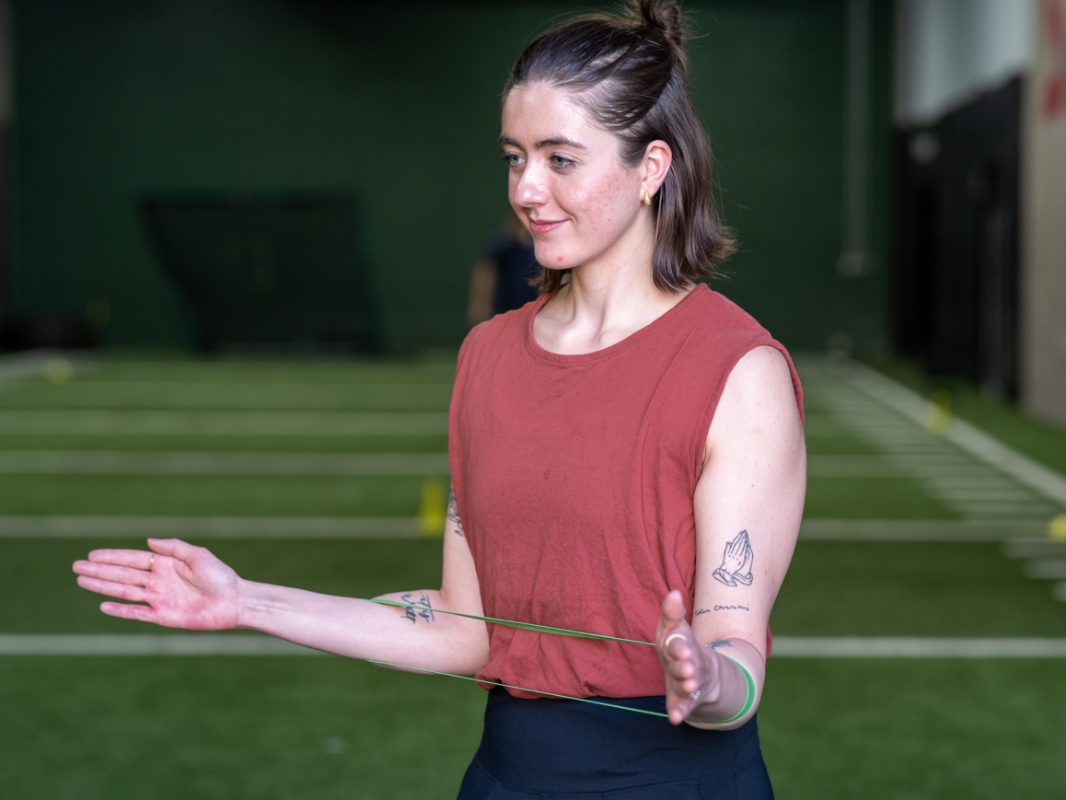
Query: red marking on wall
x=1053, y=90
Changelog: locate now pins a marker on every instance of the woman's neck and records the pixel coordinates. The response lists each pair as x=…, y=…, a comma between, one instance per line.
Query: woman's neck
x=604, y=302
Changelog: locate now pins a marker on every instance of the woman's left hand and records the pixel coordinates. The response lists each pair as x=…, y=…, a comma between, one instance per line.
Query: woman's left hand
x=692, y=672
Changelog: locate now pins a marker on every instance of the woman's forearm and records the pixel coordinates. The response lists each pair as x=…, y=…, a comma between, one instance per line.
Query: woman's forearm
x=420, y=637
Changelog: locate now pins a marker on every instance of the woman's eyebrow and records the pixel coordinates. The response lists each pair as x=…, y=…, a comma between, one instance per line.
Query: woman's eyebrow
x=555, y=141
x=559, y=141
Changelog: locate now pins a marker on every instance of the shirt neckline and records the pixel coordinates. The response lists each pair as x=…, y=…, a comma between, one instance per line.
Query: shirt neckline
x=610, y=351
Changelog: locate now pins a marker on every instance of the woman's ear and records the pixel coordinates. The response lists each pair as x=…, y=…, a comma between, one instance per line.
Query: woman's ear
x=657, y=159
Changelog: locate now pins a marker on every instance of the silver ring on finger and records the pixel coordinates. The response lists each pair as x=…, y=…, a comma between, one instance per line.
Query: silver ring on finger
x=673, y=636
x=695, y=695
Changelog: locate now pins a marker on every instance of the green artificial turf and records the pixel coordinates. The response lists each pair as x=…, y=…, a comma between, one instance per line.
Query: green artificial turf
x=185, y=495
x=837, y=446
x=194, y=369
x=871, y=498
x=912, y=589
x=231, y=728
x=904, y=729
x=324, y=727
x=280, y=395
x=226, y=443
x=1038, y=439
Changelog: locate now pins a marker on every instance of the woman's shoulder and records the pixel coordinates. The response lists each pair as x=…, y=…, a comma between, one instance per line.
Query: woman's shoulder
x=718, y=322
x=497, y=330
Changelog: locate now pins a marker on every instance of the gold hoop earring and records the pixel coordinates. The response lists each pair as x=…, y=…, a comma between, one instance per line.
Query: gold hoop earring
x=647, y=198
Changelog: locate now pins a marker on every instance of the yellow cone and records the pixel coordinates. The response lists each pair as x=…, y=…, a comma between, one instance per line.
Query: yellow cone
x=58, y=370
x=1056, y=529
x=938, y=420
x=431, y=516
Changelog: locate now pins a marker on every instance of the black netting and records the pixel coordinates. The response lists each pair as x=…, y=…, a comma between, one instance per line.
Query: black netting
x=268, y=270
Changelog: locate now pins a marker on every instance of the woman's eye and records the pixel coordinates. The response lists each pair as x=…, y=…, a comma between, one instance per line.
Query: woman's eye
x=561, y=162
x=511, y=159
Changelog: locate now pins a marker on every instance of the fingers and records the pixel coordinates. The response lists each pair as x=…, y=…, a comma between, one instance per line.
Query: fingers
x=110, y=572
x=122, y=591
x=673, y=609
x=175, y=548
x=138, y=559
x=126, y=611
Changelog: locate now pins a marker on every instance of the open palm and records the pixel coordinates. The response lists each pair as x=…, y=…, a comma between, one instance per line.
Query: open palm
x=175, y=584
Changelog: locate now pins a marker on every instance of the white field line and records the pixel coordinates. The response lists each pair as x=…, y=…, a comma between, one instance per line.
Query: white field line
x=97, y=462
x=23, y=365
x=967, y=495
x=947, y=483
x=1026, y=547
x=130, y=527
x=852, y=467
x=226, y=423
x=1044, y=509
x=966, y=436
x=101, y=527
x=1046, y=569
x=888, y=530
x=222, y=644
x=914, y=647
x=150, y=644
x=84, y=394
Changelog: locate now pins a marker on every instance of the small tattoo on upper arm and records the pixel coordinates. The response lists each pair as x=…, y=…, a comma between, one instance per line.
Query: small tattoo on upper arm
x=419, y=606
x=736, y=562
x=719, y=643
x=453, y=513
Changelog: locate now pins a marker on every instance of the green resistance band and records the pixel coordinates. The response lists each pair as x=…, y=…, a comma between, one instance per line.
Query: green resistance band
x=529, y=626
x=525, y=626
x=520, y=688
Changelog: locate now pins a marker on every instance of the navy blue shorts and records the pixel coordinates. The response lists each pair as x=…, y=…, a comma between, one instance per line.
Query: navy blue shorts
x=547, y=749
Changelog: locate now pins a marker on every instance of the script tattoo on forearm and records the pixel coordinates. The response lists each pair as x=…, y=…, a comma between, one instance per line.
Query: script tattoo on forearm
x=453, y=513
x=418, y=608
x=736, y=562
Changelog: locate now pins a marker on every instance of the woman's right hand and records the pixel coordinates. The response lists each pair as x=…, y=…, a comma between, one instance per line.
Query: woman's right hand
x=175, y=584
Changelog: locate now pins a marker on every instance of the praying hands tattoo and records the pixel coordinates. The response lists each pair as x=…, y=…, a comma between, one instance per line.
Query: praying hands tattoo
x=736, y=562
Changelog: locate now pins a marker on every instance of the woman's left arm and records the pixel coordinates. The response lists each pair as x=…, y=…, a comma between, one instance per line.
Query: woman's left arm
x=748, y=505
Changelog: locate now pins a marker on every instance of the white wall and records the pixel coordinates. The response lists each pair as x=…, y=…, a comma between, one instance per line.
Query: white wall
x=949, y=51
x=1043, y=289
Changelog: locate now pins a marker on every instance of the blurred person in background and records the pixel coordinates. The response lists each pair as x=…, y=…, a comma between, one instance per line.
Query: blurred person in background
x=502, y=280
x=626, y=454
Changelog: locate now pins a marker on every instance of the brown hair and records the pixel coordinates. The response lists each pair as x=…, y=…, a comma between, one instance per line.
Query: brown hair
x=628, y=73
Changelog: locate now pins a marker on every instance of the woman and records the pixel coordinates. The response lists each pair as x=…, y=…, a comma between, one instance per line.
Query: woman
x=627, y=447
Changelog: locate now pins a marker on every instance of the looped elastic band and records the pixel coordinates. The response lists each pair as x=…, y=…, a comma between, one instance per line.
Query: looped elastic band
x=749, y=701
x=529, y=626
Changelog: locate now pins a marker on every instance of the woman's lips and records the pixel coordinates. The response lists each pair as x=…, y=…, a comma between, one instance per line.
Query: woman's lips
x=543, y=226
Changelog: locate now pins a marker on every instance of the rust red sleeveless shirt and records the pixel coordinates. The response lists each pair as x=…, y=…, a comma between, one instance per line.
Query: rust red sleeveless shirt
x=574, y=477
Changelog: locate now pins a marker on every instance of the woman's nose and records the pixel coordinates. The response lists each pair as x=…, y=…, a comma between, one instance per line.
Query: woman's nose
x=530, y=191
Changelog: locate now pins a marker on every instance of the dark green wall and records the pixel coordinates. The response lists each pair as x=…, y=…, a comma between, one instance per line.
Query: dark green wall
x=399, y=103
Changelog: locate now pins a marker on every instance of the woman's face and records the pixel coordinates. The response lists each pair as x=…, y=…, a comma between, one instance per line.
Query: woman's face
x=567, y=182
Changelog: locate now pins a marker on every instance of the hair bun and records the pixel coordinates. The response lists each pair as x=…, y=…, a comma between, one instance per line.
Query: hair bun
x=663, y=20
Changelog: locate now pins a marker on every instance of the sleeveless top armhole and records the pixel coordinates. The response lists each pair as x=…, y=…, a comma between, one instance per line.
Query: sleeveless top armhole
x=699, y=436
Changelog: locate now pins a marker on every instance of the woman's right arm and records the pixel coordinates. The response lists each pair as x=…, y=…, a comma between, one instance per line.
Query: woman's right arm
x=179, y=585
